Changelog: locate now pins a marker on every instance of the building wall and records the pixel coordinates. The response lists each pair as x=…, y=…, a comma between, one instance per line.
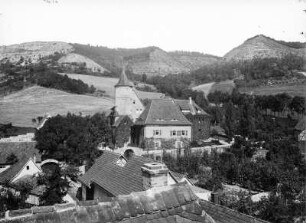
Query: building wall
x=29, y=169
x=127, y=102
x=100, y=193
x=200, y=126
x=165, y=132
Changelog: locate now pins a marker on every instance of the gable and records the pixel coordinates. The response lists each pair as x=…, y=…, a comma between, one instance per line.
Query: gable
x=162, y=112
x=29, y=169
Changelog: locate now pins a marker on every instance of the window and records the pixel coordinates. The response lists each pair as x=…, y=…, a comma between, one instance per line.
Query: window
x=173, y=133
x=134, y=102
x=157, y=144
x=179, y=133
x=28, y=167
x=156, y=132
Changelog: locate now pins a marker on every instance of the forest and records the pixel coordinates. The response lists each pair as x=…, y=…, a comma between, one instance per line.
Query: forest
x=282, y=172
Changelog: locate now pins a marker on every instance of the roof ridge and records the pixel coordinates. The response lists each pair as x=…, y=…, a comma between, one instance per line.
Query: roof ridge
x=149, y=109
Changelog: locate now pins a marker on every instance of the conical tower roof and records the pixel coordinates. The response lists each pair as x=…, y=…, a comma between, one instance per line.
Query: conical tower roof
x=124, y=81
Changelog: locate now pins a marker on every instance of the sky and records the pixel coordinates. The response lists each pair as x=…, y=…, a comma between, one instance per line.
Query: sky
x=207, y=26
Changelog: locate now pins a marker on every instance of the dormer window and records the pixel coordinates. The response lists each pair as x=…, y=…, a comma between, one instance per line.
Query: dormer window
x=121, y=161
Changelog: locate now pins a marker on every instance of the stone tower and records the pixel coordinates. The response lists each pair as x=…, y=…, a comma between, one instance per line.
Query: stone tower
x=126, y=99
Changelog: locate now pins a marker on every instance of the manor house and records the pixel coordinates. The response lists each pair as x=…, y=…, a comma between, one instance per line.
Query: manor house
x=156, y=121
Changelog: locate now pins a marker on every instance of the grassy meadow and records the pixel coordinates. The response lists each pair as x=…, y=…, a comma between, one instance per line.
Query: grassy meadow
x=21, y=107
x=106, y=84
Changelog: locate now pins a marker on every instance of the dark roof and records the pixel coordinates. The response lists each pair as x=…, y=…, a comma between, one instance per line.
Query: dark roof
x=8, y=174
x=173, y=204
x=142, y=95
x=222, y=214
x=301, y=125
x=191, y=106
x=113, y=178
x=124, y=81
x=162, y=112
x=20, y=149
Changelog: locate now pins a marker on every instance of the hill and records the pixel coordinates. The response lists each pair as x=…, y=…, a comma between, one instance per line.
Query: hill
x=73, y=58
x=263, y=46
x=33, y=50
x=149, y=60
x=194, y=60
x=21, y=107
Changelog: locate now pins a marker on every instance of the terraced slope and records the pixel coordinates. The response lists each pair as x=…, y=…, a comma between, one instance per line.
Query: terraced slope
x=20, y=107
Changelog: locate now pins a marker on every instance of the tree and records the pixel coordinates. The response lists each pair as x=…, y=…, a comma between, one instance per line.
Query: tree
x=73, y=138
x=56, y=187
x=11, y=159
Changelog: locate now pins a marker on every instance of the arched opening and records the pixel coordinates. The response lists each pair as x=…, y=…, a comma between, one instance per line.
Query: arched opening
x=128, y=154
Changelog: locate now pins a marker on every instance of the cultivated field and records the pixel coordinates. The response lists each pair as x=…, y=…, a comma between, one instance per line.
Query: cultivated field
x=223, y=86
x=106, y=84
x=20, y=107
x=292, y=89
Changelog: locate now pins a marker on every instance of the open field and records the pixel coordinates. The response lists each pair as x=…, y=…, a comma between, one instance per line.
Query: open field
x=20, y=107
x=223, y=86
x=204, y=87
x=101, y=83
x=292, y=89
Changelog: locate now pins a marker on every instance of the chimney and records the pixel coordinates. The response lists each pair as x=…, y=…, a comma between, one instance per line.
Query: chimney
x=190, y=100
x=154, y=175
x=215, y=197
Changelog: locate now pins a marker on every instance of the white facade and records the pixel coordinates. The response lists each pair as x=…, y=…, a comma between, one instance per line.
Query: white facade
x=167, y=132
x=29, y=169
x=127, y=102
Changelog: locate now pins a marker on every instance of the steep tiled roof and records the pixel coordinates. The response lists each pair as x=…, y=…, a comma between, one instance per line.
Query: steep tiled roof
x=20, y=149
x=142, y=95
x=222, y=214
x=191, y=106
x=13, y=170
x=176, y=204
x=112, y=177
x=124, y=81
x=162, y=112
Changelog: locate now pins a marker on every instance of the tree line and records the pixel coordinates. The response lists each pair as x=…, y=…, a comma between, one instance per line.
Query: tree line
x=19, y=77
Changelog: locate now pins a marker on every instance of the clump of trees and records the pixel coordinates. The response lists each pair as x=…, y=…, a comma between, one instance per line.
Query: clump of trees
x=73, y=138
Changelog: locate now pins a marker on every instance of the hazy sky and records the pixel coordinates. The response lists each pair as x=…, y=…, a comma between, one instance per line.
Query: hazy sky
x=208, y=26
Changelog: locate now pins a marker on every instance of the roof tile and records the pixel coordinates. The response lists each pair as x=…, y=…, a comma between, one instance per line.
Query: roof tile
x=170, y=199
x=162, y=112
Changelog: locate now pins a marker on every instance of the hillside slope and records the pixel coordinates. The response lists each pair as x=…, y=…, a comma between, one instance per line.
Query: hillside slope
x=79, y=59
x=262, y=46
x=106, y=84
x=149, y=60
x=194, y=60
x=21, y=107
x=33, y=50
